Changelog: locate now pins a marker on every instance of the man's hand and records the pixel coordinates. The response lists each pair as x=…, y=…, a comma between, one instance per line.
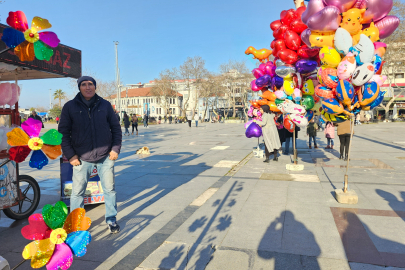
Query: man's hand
x=113, y=155
x=74, y=161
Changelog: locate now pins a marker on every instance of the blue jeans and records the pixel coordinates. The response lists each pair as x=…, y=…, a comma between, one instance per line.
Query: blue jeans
x=310, y=140
x=196, y=123
x=81, y=175
x=330, y=142
x=287, y=145
x=126, y=131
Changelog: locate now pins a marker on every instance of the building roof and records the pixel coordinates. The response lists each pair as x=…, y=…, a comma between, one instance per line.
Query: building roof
x=138, y=92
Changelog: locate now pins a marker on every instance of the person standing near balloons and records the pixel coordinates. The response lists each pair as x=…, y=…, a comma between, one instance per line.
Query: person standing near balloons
x=329, y=134
x=343, y=132
x=311, y=132
x=270, y=133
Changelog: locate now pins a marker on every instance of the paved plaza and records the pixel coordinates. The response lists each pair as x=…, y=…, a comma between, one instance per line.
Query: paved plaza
x=201, y=200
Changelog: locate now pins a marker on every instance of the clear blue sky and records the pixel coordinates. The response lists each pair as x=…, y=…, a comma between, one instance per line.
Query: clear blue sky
x=153, y=35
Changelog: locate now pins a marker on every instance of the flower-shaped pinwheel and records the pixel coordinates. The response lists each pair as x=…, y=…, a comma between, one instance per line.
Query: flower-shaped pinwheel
x=27, y=42
x=24, y=142
x=57, y=236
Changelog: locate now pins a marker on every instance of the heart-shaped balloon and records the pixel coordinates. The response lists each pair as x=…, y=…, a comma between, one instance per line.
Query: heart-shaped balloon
x=328, y=19
x=272, y=43
x=257, y=73
x=270, y=69
x=305, y=37
x=298, y=26
x=54, y=216
x=300, y=10
x=342, y=5
x=289, y=17
x=37, y=228
x=279, y=63
x=279, y=33
x=288, y=56
x=292, y=40
x=262, y=67
x=248, y=123
x=313, y=7
x=376, y=10
x=62, y=257
x=387, y=26
x=284, y=71
x=275, y=25
x=306, y=52
x=305, y=66
x=253, y=130
x=254, y=87
x=277, y=82
x=263, y=81
x=279, y=45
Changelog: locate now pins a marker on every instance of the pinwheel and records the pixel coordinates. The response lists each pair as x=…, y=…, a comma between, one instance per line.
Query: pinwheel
x=28, y=43
x=26, y=139
x=57, y=236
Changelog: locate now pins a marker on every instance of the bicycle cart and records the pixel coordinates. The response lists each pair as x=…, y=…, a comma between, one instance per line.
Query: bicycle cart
x=20, y=194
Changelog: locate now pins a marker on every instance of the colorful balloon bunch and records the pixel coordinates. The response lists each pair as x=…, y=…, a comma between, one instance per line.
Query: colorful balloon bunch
x=348, y=33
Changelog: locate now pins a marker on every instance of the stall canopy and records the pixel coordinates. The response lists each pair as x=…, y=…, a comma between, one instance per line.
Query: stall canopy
x=65, y=62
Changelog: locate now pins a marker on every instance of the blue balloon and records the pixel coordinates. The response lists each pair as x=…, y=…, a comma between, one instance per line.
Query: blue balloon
x=263, y=80
x=376, y=62
x=277, y=82
x=305, y=66
x=378, y=100
x=38, y=160
x=12, y=37
x=78, y=242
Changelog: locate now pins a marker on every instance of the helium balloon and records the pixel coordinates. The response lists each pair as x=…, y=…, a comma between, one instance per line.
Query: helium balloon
x=313, y=7
x=289, y=124
x=279, y=63
x=305, y=37
x=309, y=115
x=270, y=69
x=305, y=52
x=262, y=67
x=277, y=82
x=288, y=56
x=320, y=39
x=279, y=33
x=387, y=26
x=370, y=92
x=297, y=95
x=332, y=106
x=345, y=92
x=342, y=5
x=290, y=107
x=263, y=81
x=307, y=102
x=299, y=120
x=343, y=41
x=288, y=17
x=363, y=51
x=376, y=10
x=257, y=73
x=289, y=86
x=273, y=107
x=362, y=74
x=268, y=95
x=319, y=74
x=254, y=87
x=280, y=94
x=285, y=71
x=248, y=123
x=372, y=32
x=298, y=26
x=333, y=118
x=381, y=67
x=324, y=92
x=378, y=100
x=253, y=130
x=279, y=101
x=254, y=104
x=352, y=21
x=329, y=77
x=329, y=57
x=380, y=48
x=292, y=40
x=275, y=25
x=346, y=67
x=379, y=79
x=325, y=20
x=309, y=88
x=305, y=66
x=262, y=102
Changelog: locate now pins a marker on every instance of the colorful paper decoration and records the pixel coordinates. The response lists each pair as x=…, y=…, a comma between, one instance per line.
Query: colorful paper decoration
x=26, y=138
x=54, y=248
x=29, y=43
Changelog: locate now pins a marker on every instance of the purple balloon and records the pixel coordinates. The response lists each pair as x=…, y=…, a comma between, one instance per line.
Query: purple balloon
x=342, y=5
x=253, y=130
x=387, y=26
x=376, y=9
x=327, y=19
x=305, y=37
x=248, y=123
x=313, y=7
x=305, y=66
x=277, y=82
x=263, y=80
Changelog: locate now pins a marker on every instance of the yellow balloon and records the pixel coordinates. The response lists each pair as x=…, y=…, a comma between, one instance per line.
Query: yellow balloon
x=329, y=57
x=289, y=86
x=320, y=39
x=309, y=88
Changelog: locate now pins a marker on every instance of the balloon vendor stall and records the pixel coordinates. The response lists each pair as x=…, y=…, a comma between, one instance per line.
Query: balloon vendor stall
x=328, y=61
x=28, y=53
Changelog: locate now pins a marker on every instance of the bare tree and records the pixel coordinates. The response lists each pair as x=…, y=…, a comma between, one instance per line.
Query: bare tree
x=235, y=76
x=105, y=88
x=395, y=56
x=165, y=88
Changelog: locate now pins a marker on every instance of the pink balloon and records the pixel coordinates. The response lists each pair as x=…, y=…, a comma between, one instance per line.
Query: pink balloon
x=313, y=7
x=5, y=93
x=376, y=9
x=305, y=37
x=342, y=5
x=387, y=26
x=15, y=90
x=359, y=4
x=327, y=19
x=257, y=73
x=262, y=66
x=270, y=69
x=254, y=87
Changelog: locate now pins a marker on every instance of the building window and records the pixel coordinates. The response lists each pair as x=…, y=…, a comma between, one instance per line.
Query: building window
x=174, y=110
x=174, y=101
x=399, y=75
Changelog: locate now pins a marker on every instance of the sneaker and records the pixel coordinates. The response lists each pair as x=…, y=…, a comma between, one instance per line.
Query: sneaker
x=114, y=227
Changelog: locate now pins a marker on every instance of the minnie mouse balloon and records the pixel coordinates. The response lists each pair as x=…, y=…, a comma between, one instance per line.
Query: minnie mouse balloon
x=253, y=130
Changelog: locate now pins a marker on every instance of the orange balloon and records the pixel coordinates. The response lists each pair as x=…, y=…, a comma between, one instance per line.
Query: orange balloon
x=261, y=55
x=273, y=106
x=263, y=102
x=268, y=95
x=255, y=104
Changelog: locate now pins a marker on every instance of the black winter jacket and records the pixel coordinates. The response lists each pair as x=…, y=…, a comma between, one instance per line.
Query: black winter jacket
x=90, y=133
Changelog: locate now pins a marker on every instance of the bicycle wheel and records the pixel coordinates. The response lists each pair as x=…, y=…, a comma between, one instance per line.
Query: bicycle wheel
x=30, y=193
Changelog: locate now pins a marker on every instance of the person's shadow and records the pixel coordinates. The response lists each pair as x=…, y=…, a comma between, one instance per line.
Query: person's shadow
x=395, y=204
x=292, y=233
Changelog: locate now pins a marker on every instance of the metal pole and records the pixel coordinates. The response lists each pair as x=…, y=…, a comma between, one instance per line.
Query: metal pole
x=50, y=98
x=295, y=150
x=348, y=155
x=118, y=99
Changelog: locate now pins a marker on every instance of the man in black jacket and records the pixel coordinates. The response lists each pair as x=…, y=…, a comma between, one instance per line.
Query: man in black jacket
x=91, y=136
x=35, y=116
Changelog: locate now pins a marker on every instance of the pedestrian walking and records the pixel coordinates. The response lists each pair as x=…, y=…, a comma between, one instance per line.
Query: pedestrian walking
x=165, y=118
x=270, y=134
x=170, y=119
x=134, y=122
x=196, y=118
x=118, y=116
x=160, y=119
x=145, y=120
x=91, y=136
x=329, y=134
x=189, y=118
x=311, y=132
x=57, y=119
x=126, y=124
x=357, y=122
x=343, y=131
x=35, y=116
